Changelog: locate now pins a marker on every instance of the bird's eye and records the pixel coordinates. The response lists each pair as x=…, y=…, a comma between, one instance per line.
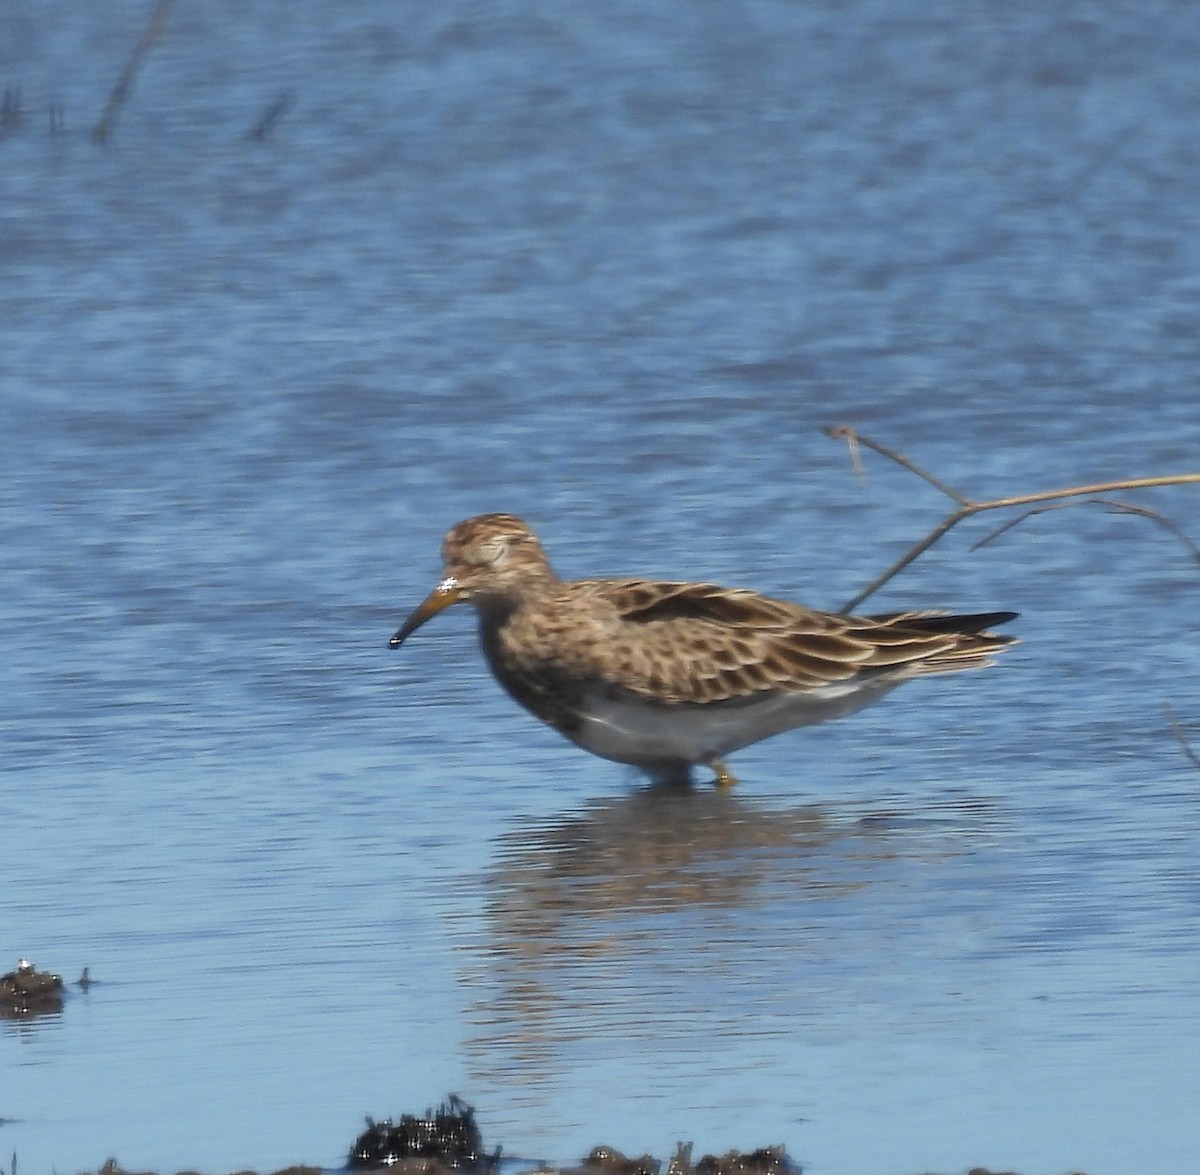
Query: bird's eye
x=489, y=552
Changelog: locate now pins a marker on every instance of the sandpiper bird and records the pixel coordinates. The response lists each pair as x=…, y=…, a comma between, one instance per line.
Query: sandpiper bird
x=666, y=675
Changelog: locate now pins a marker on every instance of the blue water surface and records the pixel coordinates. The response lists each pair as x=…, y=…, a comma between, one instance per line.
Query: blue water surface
x=611, y=267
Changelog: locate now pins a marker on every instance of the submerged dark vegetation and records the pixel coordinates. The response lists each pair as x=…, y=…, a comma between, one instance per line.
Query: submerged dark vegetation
x=447, y=1141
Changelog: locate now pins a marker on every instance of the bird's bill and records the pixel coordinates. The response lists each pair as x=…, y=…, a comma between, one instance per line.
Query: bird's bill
x=446, y=593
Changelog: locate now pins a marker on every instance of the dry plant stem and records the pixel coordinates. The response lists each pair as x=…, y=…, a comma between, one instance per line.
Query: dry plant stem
x=120, y=91
x=967, y=508
x=1114, y=507
x=1177, y=731
x=261, y=131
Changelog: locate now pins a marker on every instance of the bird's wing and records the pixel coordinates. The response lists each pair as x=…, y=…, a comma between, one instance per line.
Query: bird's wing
x=698, y=642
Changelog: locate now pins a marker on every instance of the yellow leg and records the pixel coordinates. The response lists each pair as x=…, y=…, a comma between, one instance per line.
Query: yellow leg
x=725, y=778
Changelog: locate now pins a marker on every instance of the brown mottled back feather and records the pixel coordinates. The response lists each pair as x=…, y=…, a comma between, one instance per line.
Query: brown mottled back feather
x=700, y=643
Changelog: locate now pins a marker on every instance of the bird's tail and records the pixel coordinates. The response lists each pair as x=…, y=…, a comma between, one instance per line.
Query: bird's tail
x=973, y=650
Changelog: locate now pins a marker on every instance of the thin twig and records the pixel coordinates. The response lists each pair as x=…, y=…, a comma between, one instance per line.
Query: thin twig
x=261, y=130
x=108, y=119
x=1177, y=731
x=856, y=459
x=855, y=439
x=1114, y=507
x=967, y=508
x=1161, y=519
x=12, y=112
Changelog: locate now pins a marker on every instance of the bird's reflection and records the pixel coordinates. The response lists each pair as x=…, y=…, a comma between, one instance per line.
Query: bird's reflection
x=660, y=849
x=633, y=908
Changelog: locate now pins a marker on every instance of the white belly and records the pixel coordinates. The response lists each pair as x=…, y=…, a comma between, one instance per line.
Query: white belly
x=651, y=736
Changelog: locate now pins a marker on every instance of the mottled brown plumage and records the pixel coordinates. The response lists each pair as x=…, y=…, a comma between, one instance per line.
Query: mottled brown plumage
x=664, y=675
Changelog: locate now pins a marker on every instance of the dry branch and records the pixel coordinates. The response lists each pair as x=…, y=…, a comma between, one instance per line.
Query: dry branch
x=1114, y=507
x=261, y=130
x=967, y=508
x=154, y=27
x=1177, y=731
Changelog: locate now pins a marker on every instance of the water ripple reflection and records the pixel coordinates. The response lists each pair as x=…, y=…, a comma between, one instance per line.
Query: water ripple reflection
x=654, y=908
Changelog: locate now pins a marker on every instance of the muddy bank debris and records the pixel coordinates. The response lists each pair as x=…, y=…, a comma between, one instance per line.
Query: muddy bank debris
x=112, y=1167
x=447, y=1141
x=767, y=1160
x=27, y=992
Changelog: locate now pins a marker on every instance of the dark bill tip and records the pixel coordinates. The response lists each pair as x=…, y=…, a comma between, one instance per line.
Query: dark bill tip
x=445, y=594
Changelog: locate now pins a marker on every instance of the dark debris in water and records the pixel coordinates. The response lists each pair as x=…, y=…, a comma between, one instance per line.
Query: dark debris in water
x=448, y=1140
x=445, y=1140
x=768, y=1160
x=27, y=992
x=607, y=1161
x=112, y=1167
x=985, y=1171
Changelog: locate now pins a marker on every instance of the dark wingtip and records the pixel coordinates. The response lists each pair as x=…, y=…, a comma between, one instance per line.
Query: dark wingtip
x=975, y=624
x=988, y=619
